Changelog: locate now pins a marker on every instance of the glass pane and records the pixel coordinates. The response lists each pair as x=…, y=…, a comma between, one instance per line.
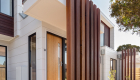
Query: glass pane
x=2, y=62
x=6, y=7
x=102, y=39
x=2, y=51
x=2, y=74
x=33, y=57
x=65, y=60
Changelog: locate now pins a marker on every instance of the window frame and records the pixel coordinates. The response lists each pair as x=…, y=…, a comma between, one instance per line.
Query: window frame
x=112, y=66
x=106, y=34
x=29, y=52
x=12, y=9
x=6, y=60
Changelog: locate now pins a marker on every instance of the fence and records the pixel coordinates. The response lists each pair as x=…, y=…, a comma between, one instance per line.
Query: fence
x=128, y=68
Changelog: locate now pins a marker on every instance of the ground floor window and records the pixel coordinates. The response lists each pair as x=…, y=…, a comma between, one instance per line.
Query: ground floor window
x=3, y=62
x=32, y=57
x=113, y=66
x=65, y=60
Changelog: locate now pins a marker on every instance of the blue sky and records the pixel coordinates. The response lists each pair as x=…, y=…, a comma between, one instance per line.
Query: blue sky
x=120, y=37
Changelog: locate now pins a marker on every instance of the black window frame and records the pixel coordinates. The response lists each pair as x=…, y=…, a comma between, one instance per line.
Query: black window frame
x=29, y=52
x=6, y=60
x=12, y=9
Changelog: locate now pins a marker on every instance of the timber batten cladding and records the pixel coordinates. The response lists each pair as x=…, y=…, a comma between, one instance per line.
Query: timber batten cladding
x=6, y=25
x=83, y=40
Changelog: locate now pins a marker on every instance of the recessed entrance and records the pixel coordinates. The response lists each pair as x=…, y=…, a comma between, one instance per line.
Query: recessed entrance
x=54, y=57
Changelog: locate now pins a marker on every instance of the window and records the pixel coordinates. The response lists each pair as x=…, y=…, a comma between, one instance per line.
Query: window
x=113, y=66
x=105, y=36
x=3, y=63
x=65, y=60
x=102, y=39
x=6, y=7
x=32, y=57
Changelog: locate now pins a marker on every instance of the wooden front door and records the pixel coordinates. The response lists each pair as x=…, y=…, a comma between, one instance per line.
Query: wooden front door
x=54, y=57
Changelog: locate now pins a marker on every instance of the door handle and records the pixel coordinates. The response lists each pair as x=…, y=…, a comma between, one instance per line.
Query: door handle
x=61, y=63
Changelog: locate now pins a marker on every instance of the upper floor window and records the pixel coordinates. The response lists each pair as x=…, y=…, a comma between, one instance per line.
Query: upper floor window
x=6, y=7
x=105, y=36
x=102, y=39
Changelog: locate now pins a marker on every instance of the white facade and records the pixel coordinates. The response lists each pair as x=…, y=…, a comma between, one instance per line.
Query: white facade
x=18, y=48
x=107, y=54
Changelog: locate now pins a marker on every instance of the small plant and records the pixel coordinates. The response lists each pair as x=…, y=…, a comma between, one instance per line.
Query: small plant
x=127, y=77
x=112, y=74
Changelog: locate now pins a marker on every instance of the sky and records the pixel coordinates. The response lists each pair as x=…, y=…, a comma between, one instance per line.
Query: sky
x=120, y=37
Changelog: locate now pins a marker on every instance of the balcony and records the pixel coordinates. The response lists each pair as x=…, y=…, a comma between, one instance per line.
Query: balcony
x=49, y=11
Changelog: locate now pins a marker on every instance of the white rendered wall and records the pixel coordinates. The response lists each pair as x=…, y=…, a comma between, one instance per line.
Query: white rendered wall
x=105, y=61
x=17, y=18
x=19, y=47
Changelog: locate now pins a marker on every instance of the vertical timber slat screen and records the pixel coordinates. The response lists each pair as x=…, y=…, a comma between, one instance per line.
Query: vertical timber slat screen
x=83, y=40
x=87, y=75
x=128, y=64
x=98, y=44
x=77, y=39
